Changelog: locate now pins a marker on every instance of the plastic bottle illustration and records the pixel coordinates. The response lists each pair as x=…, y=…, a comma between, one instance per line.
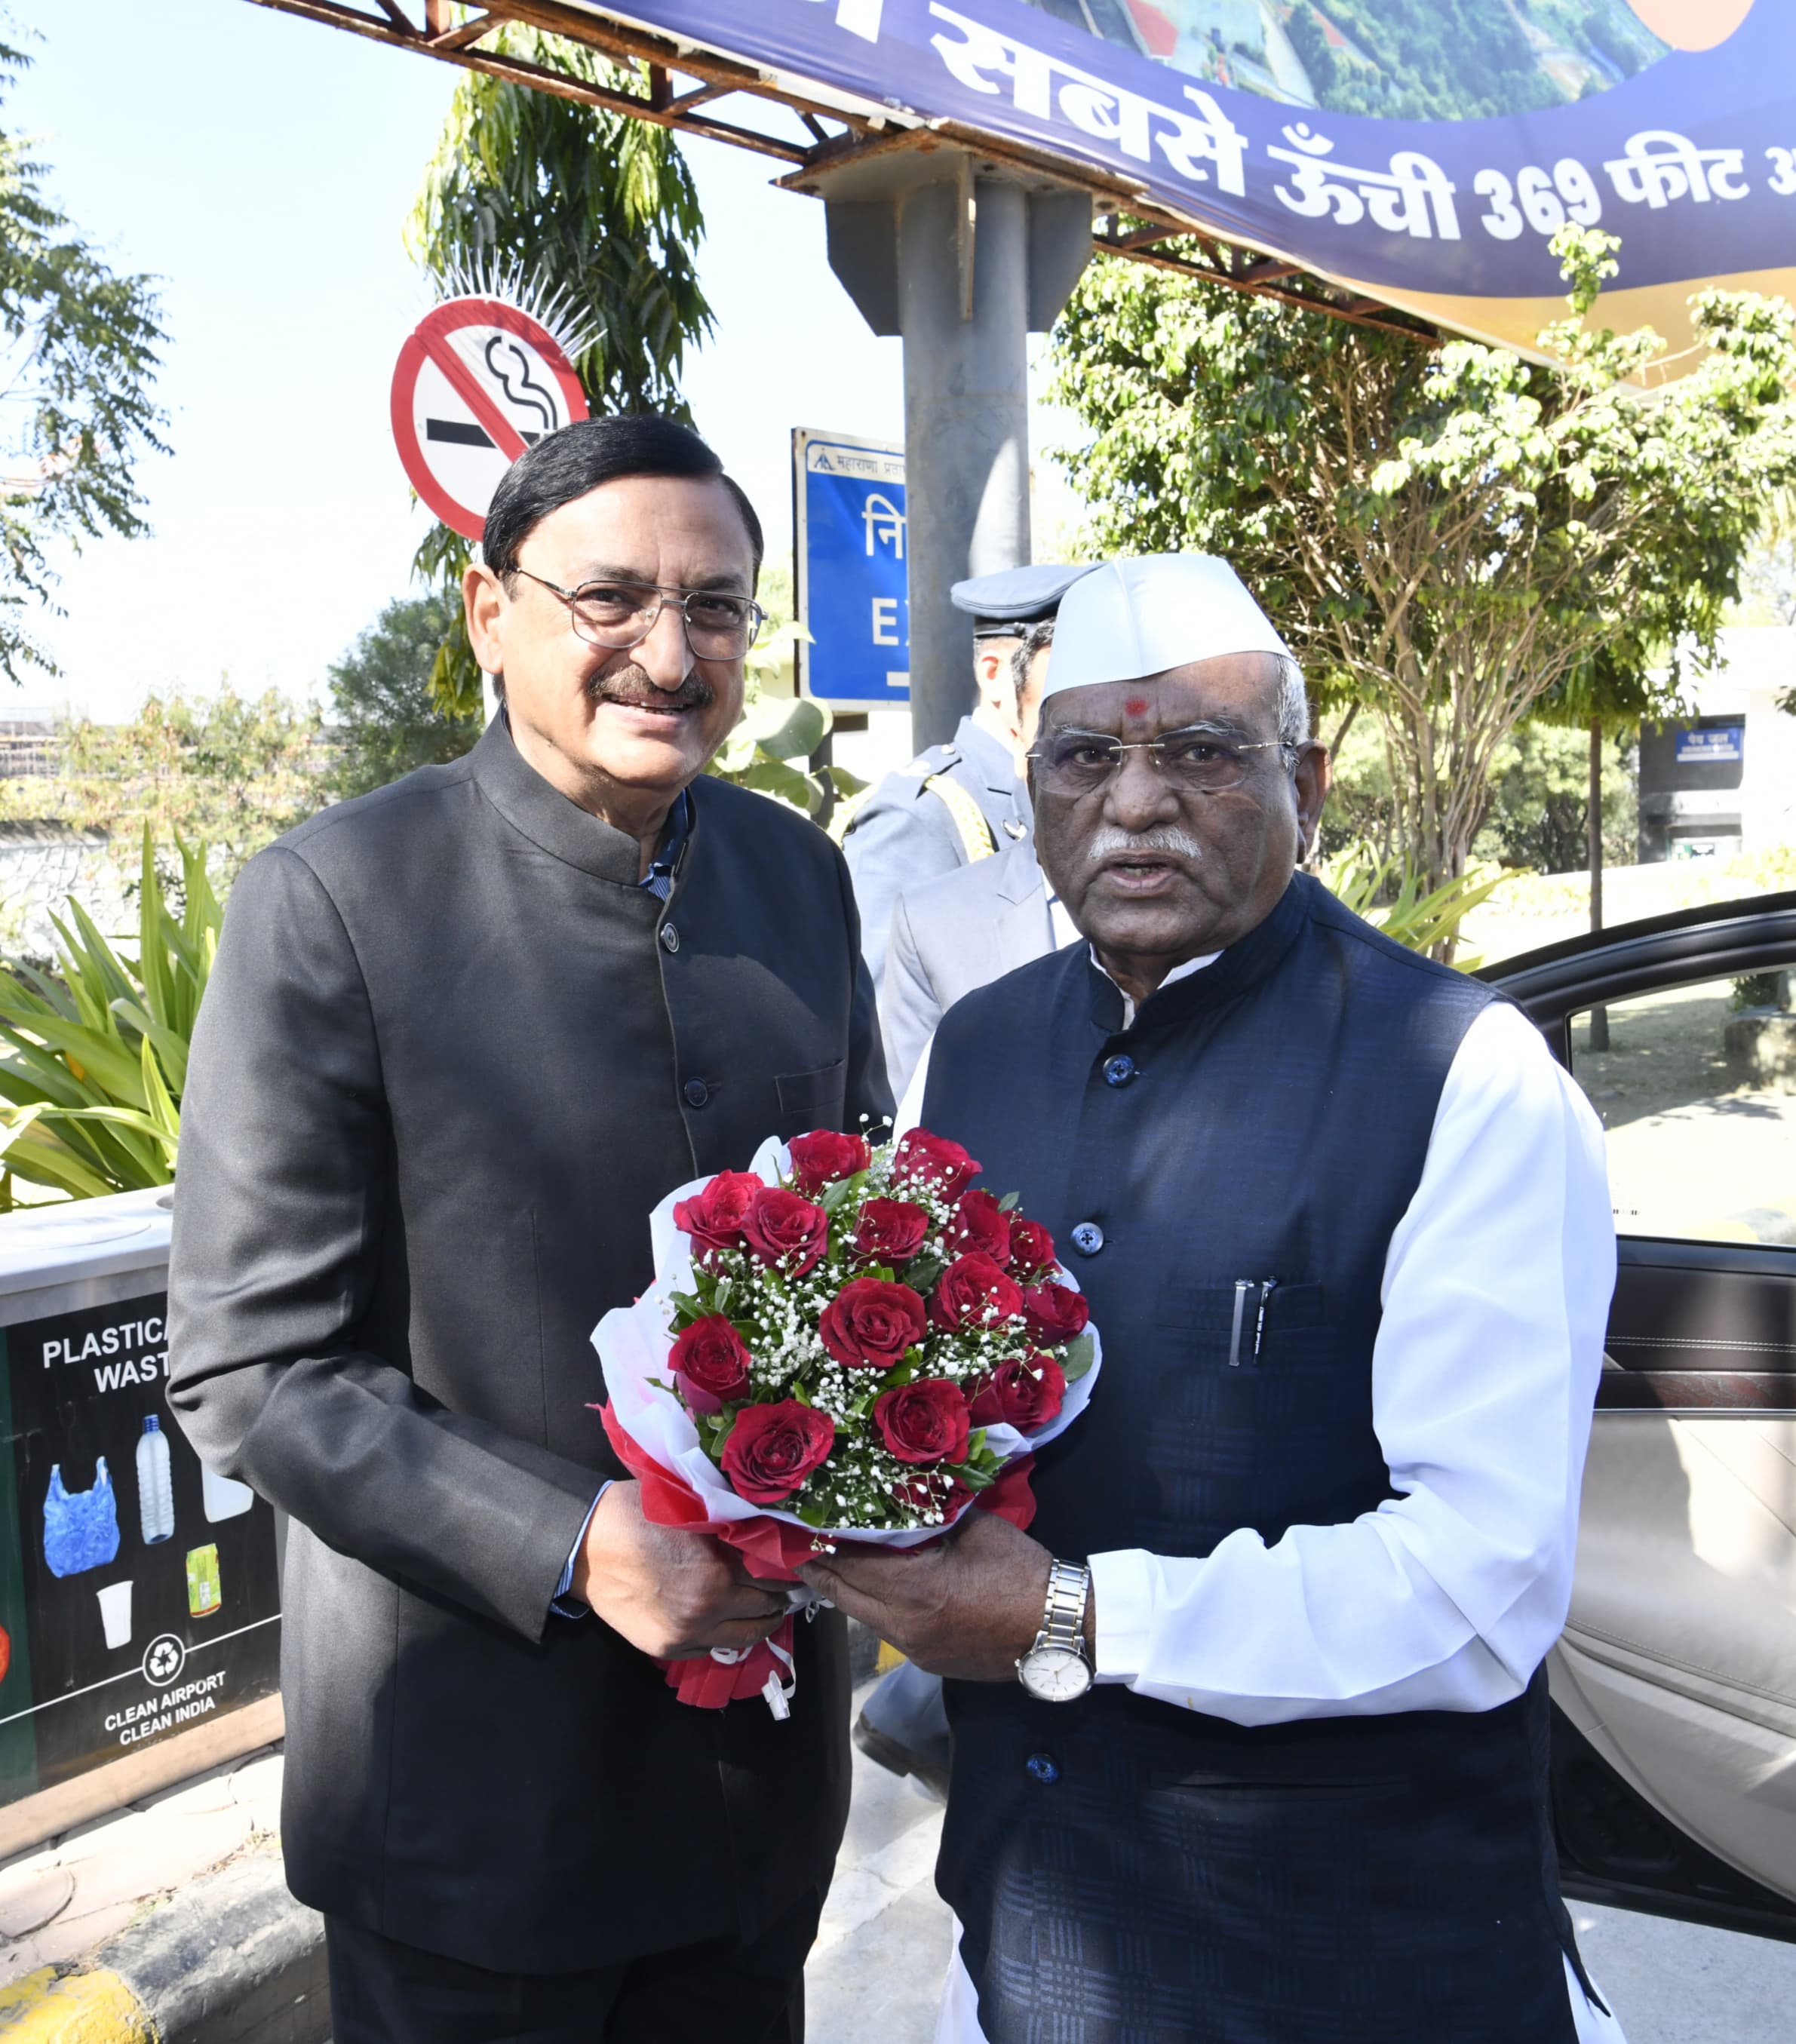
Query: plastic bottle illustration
x=224, y=1497
x=156, y=1484
x=205, y=1592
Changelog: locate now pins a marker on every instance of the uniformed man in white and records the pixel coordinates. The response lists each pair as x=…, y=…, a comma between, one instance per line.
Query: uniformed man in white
x=962, y=801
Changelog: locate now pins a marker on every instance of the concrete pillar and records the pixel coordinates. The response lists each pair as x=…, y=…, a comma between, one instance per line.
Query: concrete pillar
x=966, y=421
x=964, y=262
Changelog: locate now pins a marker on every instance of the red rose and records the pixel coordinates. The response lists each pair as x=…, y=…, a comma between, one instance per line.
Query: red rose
x=713, y=1218
x=890, y=1230
x=1055, y=1313
x=820, y=1157
x=711, y=1361
x=869, y=1324
x=772, y=1449
x=980, y=1223
x=932, y=1164
x=781, y=1228
x=1032, y=1248
x=1026, y=1393
x=924, y=1422
x=972, y=1293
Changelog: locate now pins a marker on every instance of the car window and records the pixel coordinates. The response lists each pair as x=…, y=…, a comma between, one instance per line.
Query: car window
x=1696, y=1087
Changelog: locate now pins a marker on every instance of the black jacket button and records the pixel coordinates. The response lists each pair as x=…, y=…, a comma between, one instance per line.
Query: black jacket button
x=1088, y=1238
x=1119, y=1070
x=670, y=937
x=1044, y=1767
x=697, y=1092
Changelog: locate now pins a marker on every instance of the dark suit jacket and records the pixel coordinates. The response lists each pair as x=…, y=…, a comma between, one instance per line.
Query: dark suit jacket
x=451, y=1056
x=953, y=933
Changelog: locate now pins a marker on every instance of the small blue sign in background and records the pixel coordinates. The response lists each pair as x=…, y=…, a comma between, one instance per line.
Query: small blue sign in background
x=852, y=559
x=1710, y=745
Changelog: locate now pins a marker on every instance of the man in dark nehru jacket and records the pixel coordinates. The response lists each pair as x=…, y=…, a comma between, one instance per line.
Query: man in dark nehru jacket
x=961, y=801
x=1250, y=1729
x=463, y=1035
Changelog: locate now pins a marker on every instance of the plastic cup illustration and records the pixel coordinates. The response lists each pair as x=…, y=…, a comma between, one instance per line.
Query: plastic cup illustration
x=205, y=1592
x=224, y=1496
x=115, y=1613
x=156, y=1484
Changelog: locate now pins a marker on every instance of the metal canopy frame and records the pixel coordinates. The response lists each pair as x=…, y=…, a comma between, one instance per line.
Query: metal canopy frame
x=841, y=131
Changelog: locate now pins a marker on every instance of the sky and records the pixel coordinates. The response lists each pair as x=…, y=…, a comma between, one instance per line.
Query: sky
x=262, y=167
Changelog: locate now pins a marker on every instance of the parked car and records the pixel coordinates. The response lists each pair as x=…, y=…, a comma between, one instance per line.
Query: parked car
x=1674, y=1760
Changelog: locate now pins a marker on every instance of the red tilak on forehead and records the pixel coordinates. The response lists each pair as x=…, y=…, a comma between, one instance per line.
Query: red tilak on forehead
x=1136, y=706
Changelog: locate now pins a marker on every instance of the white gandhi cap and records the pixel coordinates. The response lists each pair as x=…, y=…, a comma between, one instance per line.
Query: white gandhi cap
x=1133, y=618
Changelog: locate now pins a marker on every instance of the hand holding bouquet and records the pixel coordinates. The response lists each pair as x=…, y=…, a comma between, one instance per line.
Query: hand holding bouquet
x=842, y=1342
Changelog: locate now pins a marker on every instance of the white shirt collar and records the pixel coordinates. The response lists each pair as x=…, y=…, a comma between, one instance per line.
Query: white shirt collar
x=1179, y=972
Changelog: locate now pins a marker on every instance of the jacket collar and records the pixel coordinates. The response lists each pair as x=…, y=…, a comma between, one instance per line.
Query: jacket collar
x=987, y=756
x=545, y=816
x=1240, y=968
x=1019, y=875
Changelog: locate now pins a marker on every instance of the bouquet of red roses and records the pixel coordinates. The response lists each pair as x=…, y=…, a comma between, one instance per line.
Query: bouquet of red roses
x=842, y=1342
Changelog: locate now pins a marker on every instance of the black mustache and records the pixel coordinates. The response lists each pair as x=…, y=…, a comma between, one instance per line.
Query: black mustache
x=632, y=688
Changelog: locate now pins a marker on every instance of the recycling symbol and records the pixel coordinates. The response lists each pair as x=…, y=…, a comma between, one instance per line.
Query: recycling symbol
x=163, y=1659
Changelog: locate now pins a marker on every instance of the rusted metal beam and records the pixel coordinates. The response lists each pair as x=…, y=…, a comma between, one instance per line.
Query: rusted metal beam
x=660, y=58
x=459, y=35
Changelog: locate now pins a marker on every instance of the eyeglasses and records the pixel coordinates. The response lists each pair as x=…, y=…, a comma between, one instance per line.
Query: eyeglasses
x=618, y=615
x=1195, y=762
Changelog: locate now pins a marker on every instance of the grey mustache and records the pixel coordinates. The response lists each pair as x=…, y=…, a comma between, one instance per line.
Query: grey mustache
x=1164, y=837
x=632, y=688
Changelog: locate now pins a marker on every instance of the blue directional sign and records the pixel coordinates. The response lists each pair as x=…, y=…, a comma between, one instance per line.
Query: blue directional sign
x=850, y=557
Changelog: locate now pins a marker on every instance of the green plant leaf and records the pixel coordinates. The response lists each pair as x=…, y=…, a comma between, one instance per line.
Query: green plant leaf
x=1078, y=1357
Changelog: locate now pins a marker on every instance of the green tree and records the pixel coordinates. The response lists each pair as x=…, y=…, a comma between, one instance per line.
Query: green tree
x=81, y=344
x=232, y=772
x=1449, y=535
x=596, y=215
x=385, y=719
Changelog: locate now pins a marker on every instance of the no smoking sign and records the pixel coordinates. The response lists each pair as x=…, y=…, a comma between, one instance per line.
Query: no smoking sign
x=477, y=381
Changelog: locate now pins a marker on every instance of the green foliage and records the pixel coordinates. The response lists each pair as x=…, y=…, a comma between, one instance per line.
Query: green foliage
x=1539, y=813
x=1394, y=899
x=81, y=344
x=598, y=211
x=231, y=771
x=96, y=1061
x=1457, y=59
x=1451, y=535
x=386, y=717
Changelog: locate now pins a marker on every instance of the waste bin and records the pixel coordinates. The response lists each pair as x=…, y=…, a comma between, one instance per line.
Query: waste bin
x=139, y=1592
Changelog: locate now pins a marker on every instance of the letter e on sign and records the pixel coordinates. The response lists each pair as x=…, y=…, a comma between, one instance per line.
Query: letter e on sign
x=885, y=621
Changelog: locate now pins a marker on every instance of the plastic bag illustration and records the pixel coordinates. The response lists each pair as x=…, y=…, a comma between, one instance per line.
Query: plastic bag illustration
x=80, y=1527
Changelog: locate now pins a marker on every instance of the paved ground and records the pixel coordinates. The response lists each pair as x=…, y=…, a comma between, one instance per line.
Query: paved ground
x=877, y=1971
x=58, y=1900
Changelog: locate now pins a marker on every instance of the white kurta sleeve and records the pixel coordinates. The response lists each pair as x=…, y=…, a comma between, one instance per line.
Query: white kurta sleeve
x=1496, y=1295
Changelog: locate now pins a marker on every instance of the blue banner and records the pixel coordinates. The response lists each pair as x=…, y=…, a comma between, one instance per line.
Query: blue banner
x=1264, y=121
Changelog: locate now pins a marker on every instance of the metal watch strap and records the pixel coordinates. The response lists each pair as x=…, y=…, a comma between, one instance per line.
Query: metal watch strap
x=1062, y=1622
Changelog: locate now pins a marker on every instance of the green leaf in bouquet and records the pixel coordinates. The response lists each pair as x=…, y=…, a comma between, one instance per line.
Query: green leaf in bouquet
x=831, y=1198
x=714, y=1429
x=1078, y=1357
x=1009, y=1203
x=813, y=1511
x=687, y=1306
x=883, y=1272
x=921, y=1274
x=720, y=1296
x=969, y=1476
x=901, y=1373
x=798, y=1391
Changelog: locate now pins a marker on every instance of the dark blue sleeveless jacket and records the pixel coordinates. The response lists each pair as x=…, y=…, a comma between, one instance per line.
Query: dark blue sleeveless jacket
x=1123, y=1869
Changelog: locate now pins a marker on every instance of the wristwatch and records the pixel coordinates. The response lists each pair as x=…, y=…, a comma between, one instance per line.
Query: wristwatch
x=1054, y=1670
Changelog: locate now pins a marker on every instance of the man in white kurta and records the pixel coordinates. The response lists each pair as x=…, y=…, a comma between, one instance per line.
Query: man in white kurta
x=1431, y=1607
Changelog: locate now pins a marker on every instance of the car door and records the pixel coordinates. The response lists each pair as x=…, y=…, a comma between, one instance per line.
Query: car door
x=1673, y=1763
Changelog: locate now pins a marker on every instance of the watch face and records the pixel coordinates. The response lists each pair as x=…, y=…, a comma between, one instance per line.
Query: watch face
x=1054, y=1674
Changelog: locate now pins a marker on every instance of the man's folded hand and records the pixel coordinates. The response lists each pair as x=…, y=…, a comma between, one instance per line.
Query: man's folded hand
x=674, y=1595
x=965, y=1607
